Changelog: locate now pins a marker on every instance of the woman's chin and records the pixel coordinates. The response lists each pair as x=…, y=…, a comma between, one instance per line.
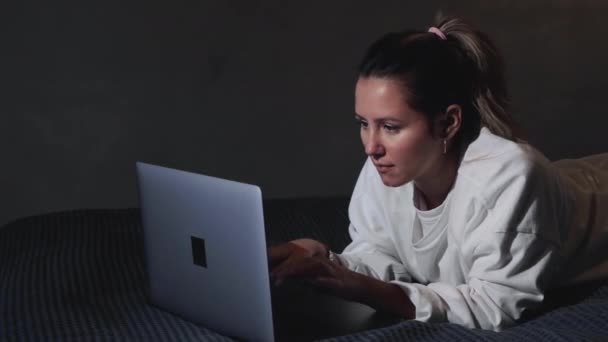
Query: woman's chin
x=392, y=182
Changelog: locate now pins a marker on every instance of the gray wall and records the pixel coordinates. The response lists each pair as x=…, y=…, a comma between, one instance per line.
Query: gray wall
x=256, y=91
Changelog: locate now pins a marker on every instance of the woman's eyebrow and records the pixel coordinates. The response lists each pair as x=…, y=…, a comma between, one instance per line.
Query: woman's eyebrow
x=378, y=120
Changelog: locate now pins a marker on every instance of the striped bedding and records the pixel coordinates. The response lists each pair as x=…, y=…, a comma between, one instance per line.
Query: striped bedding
x=79, y=276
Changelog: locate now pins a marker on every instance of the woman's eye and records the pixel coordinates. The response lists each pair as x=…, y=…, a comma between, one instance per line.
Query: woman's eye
x=361, y=123
x=391, y=128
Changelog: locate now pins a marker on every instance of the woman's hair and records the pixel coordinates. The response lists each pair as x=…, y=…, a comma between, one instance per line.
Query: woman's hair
x=464, y=69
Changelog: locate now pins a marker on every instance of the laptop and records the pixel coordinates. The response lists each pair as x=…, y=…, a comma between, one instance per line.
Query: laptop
x=206, y=261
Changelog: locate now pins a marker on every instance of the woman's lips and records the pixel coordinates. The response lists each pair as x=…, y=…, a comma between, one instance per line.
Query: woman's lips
x=383, y=168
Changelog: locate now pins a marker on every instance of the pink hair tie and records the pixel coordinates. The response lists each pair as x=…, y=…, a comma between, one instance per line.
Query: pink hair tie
x=438, y=33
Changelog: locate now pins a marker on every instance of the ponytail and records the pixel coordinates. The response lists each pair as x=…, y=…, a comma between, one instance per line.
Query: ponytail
x=490, y=95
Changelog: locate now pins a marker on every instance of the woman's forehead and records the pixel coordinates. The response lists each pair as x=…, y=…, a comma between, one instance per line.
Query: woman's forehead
x=376, y=96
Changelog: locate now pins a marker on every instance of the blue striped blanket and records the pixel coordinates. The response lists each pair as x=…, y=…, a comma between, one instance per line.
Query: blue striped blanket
x=79, y=276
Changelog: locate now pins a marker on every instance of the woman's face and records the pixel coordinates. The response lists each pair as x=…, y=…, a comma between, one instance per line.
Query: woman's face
x=397, y=138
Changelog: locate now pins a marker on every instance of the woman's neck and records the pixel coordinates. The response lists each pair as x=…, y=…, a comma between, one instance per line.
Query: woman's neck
x=435, y=186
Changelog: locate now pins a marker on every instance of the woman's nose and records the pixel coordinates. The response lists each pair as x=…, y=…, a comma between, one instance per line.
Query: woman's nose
x=373, y=146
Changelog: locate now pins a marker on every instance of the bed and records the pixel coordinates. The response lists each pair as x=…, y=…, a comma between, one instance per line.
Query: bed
x=79, y=276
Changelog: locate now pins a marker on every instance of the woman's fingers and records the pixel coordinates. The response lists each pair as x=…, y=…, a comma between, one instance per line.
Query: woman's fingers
x=301, y=267
x=311, y=267
x=296, y=259
x=277, y=254
x=287, y=269
x=279, y=271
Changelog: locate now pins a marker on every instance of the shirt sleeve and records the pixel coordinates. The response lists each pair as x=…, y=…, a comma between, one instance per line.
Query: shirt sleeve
x=496, y=291
x=374, y=260
x=510, y=249
x=371, y=251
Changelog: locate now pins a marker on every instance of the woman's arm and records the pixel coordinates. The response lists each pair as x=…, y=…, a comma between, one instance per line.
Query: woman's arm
x=384, y=296
x=308, y=260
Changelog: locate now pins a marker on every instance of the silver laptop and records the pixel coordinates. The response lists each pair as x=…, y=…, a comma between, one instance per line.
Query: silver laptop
x=205, y=250
x=206, y=260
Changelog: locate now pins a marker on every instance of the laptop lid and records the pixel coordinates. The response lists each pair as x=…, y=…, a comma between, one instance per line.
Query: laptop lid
x=205, y=250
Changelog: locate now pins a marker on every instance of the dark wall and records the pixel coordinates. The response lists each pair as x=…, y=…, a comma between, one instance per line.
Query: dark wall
x=256, y=91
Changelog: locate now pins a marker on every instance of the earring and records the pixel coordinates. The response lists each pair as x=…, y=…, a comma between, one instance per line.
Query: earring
x=445, y=146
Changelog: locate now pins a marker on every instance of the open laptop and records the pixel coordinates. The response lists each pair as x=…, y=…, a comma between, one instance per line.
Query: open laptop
x=206, y=261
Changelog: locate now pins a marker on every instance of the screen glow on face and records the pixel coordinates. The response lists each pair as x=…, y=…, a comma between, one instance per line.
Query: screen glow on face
x=395, y=137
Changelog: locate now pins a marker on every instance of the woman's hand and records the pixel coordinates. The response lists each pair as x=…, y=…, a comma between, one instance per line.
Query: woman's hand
x=289, y=260
x=296, y=249
x=307, y=260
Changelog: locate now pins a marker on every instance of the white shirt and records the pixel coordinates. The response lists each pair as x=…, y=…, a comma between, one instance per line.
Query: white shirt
x=430, y=220
x=513, y=226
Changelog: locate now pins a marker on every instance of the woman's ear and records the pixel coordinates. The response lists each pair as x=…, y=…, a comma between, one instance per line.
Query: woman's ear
x=451, y=121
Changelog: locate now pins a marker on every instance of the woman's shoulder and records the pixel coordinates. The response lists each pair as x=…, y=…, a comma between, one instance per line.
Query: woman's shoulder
x=491, y=148
x=492, y=164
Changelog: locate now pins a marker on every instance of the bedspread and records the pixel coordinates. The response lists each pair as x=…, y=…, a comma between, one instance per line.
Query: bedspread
x=79, y=275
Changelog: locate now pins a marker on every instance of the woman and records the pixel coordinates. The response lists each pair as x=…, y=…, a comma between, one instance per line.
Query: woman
x=454, y=218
